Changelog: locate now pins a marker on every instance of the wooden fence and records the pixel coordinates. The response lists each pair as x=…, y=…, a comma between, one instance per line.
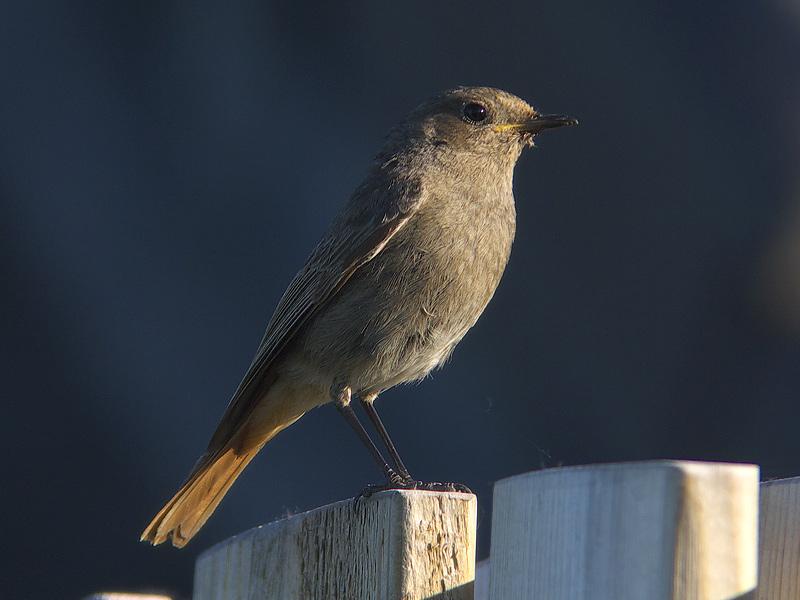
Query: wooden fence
x=631, y=531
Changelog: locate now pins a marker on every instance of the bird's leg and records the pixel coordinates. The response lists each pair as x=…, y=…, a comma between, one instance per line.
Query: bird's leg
x=408, y=482
x=341, y=398
x=369, y=407
x=394, y=480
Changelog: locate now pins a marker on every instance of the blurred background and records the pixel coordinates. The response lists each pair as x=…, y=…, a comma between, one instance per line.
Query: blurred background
x=165, y=168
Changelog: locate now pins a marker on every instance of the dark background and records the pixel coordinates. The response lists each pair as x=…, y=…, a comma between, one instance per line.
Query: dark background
x=166, y=168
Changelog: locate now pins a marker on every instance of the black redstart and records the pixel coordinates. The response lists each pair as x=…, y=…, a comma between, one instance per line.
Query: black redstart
x=402, y=274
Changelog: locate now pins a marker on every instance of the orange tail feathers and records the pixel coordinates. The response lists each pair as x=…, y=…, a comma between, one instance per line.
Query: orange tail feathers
x=187, y=511
x=192, y=505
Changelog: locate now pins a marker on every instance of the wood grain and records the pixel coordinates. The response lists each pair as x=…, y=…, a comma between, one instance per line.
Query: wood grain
x=779, y=540
x=397, y=545
x=482, y=570
x=659, y=530
x=125, y=596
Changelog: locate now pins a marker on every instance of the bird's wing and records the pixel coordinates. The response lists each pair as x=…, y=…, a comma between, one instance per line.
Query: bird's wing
x=374, y=214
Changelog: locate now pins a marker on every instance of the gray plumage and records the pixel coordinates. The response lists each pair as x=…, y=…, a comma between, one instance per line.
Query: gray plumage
x=399, y=278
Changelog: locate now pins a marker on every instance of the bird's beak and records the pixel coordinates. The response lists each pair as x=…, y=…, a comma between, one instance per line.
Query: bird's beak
x=538, y=123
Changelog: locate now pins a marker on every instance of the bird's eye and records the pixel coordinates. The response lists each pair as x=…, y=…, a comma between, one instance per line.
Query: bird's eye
x=474, y=112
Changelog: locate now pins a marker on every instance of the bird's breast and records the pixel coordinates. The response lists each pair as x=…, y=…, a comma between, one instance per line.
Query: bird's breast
x=431, y=283
x=452, y=254
x=402, y=313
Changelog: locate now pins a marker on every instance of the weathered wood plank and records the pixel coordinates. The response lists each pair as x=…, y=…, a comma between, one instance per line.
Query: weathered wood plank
x=659, y=530
x=126, y=596
x=482, y=580
x=779, y=540
x=395, y=545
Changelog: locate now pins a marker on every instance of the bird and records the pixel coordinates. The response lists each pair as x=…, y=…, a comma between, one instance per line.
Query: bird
x=403, y=272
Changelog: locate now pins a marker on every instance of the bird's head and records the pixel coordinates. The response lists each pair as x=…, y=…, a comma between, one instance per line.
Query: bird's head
x=480, y=121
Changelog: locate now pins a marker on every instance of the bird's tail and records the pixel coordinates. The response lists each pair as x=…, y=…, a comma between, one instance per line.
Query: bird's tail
x=192, y=505
x=187, y=511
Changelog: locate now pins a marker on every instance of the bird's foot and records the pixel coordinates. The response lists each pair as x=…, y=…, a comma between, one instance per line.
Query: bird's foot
x=437, y=486
x=396, y=482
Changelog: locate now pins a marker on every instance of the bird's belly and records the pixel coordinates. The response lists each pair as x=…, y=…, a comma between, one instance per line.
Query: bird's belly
x=402, y=313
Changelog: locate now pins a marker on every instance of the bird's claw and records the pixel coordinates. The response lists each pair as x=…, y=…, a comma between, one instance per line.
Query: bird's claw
x=436, y=486
x=396, y=482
